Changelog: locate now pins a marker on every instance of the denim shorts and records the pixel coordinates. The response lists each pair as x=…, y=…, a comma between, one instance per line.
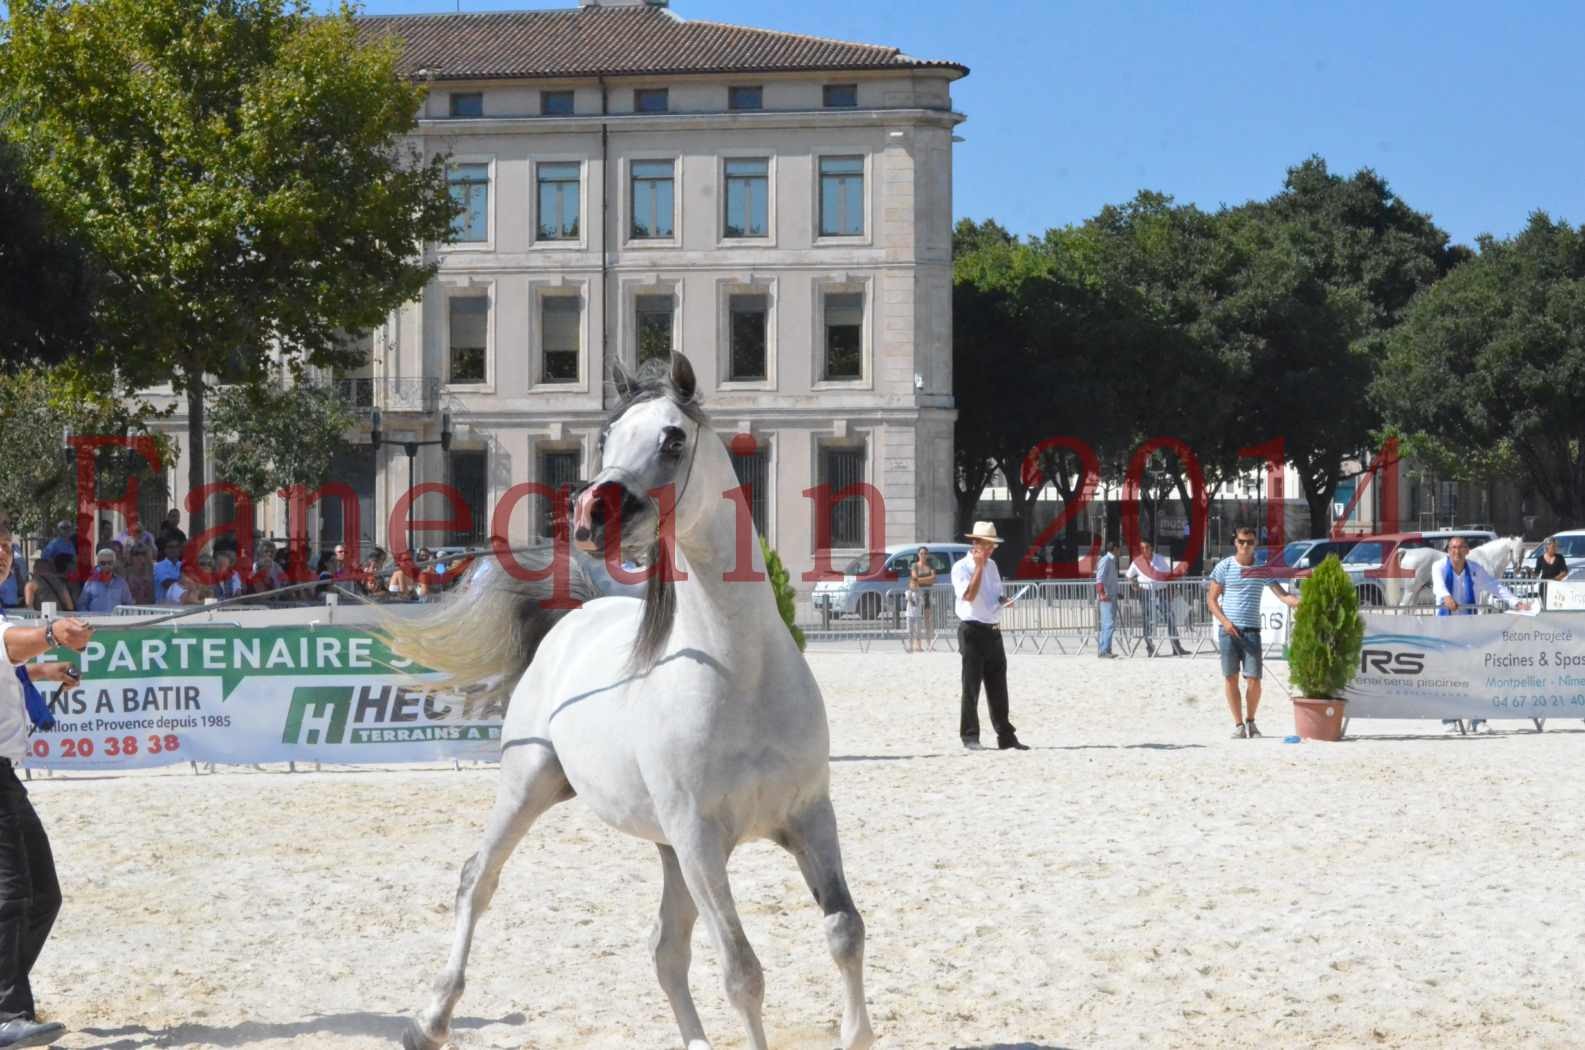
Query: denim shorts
x=1243, y=650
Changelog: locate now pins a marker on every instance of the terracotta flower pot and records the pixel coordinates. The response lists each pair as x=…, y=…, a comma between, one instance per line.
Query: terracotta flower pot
x=1318, y=719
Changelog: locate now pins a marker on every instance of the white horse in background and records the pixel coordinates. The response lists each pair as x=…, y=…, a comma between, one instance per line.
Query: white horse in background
x=688, y=718
x=1495, y=556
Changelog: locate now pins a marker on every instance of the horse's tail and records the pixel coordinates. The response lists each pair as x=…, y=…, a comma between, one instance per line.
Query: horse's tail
x=483, y=635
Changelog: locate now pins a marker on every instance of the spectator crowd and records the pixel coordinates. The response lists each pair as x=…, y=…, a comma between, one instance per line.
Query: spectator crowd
x=138, y=568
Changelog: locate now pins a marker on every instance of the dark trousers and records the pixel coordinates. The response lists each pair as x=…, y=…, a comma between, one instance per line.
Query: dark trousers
x=984, y=660
x=30, y=896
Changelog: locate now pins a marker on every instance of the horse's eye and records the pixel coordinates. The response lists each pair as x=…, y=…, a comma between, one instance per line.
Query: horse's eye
x=673, y=442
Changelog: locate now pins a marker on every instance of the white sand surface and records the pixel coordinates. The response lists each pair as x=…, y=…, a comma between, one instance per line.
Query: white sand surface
x=1138, y=879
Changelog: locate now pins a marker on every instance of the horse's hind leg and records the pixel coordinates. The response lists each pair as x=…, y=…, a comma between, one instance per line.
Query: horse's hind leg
x=702, y=851
x=531, y=781
x=812, y=839
x=672, y=944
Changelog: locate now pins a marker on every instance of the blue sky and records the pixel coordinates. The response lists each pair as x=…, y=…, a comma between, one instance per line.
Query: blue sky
x=1470, y=110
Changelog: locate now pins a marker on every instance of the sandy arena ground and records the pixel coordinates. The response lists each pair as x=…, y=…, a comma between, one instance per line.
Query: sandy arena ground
x=1137, y=879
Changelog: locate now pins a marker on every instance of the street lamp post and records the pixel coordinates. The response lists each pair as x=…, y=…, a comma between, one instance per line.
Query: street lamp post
x=376, y=436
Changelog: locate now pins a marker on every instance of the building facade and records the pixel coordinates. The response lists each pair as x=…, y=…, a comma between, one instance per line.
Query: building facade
x=778, y=207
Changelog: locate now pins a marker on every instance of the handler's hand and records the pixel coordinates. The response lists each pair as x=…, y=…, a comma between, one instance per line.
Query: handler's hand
x=55, y=671
x=72, y=633
x=1450, y=604
x=1231, y=630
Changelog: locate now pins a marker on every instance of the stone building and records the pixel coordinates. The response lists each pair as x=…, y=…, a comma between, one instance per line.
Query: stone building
x=776, y=206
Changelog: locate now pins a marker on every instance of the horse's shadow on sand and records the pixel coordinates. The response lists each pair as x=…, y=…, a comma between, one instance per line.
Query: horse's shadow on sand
x=382, y=1026
x=1012, y=1046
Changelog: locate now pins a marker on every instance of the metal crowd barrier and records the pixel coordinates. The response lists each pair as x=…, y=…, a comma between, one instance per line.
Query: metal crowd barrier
x=1062, y=617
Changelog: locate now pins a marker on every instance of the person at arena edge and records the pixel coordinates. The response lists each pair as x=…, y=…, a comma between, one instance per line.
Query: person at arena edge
x=30, y=895
x=977, y=583
x=1151, y=571
x=1106, y=599
x=1458, y=584
x=1239, y=638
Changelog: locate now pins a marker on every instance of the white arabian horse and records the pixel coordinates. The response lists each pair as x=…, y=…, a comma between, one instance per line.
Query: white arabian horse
x=1495, y=556
x=688, y=718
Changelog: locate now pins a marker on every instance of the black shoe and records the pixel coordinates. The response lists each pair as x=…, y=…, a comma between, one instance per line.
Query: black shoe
x=973, y=744
x=1178, y=650
x=1150, y=648
x=1012, y=743
x=22, y=1032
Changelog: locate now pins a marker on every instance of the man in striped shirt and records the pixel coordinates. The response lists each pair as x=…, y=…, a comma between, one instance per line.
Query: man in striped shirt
x=1240, y=581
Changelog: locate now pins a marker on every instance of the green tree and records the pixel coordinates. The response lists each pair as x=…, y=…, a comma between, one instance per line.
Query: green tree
x=236, y=166
x=1317, y=275
x=1490, y=362
x=47, y=280
x=268, y=437
x=1162, y=372
x=37, y=405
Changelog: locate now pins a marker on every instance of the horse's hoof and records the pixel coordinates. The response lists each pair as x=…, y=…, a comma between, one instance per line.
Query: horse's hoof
x=415, y=1038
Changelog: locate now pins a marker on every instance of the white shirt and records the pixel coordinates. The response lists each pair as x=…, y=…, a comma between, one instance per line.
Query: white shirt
x=987, y=604
x=1150, y=581
x=1484, y=582
x=13, y=709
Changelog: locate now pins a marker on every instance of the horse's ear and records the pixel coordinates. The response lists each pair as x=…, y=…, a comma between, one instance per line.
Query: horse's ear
x=621, y=381
x=682, y=377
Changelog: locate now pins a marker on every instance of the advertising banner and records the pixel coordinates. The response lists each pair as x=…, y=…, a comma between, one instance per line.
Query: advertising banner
x=242, y=695
x=1565, y=594
x=1492, y=666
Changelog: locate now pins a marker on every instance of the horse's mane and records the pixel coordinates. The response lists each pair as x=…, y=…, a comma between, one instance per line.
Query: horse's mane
x=654, y=379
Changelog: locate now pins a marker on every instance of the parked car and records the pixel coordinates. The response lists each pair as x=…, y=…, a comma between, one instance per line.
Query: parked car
x=1570, y=544
x=1299, y=558
x=1373, y=562
x=865, y=593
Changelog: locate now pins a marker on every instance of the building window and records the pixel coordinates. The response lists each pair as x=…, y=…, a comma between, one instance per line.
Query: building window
x=652, y=199
x=840, y=467
x=841, y=196
x=841, y=96
x=560, y=318
x=470, y=324
x=844, y=336
x=558, y=470
x=748, y=197
x=749, y=317
x=745, y=98
x=650, y=100
x=556, y=103
x=653, y=321
x=753, y=474
x=470, y=187
x=467, y=103
x=558, y=201
x=465, y=474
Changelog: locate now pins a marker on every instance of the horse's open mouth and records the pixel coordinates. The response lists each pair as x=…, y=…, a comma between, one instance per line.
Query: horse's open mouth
x=611, y=505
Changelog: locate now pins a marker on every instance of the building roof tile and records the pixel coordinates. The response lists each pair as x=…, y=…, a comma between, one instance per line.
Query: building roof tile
x=614, y=41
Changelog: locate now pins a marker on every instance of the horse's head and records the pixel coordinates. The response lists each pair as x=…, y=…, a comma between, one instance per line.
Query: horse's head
x=647, y=452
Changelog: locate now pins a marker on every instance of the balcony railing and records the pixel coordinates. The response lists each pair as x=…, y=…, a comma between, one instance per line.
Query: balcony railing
x=391, y=395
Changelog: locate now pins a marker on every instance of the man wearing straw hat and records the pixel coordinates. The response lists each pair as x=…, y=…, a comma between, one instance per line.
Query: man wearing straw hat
x=978, y=585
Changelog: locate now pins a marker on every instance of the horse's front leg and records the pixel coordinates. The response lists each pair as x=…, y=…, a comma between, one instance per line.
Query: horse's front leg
x=531, y=781
x=672, y=946
x=812, y=839
x=702, y=848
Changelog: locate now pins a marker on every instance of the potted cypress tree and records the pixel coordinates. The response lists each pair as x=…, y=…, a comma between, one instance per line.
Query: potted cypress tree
x=1323, y=653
